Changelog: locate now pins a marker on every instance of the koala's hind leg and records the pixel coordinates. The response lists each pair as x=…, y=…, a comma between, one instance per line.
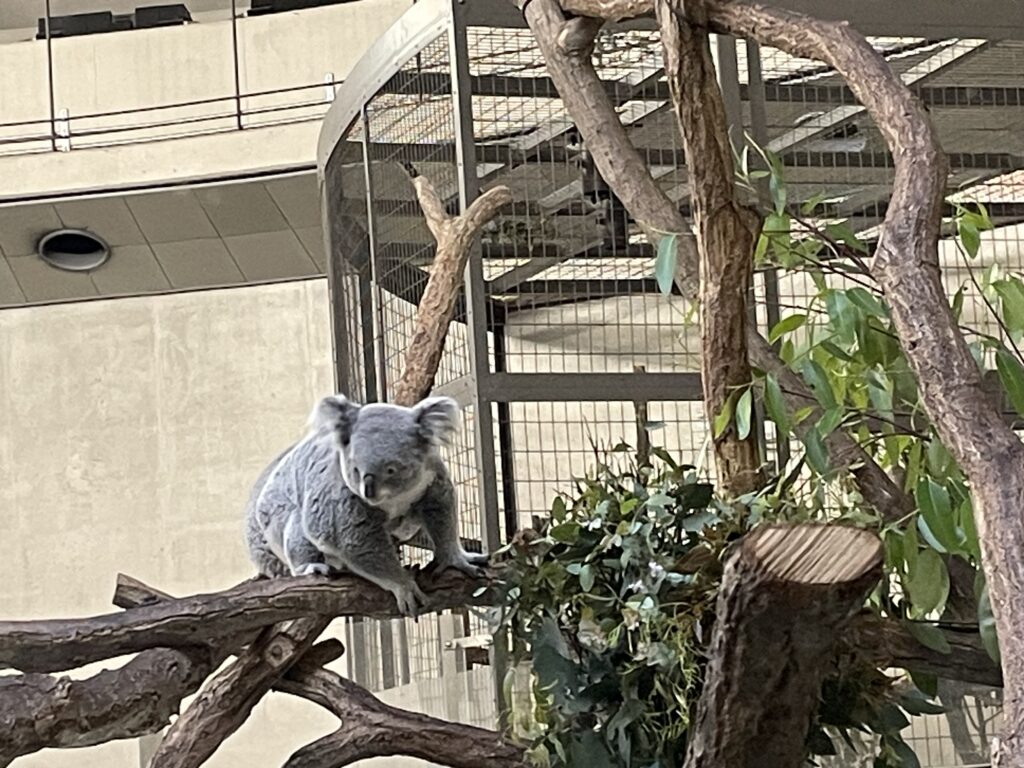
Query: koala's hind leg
x=304, y=558
x=267, y=563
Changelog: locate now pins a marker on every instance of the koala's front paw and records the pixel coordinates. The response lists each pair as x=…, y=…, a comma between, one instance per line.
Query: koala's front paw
x=470, y=563
x=314, y=569
x=410, y=599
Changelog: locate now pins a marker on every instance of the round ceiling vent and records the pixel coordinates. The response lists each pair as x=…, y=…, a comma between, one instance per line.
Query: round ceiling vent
x=74, y=250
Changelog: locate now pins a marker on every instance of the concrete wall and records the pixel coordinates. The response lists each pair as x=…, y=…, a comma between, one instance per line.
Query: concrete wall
x=151, y=70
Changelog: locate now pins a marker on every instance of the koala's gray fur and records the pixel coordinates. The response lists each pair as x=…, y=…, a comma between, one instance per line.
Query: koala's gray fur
x=364, y=479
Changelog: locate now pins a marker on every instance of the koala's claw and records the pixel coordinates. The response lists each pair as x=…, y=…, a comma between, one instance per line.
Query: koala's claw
x=410, y=600
x=314, y=569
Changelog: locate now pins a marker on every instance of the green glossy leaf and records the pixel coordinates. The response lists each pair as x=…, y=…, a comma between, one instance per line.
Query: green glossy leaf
x=1011, y=374
x=843, y=316
x=722, y=418
x=965, y=519
x=786, y=325
x=970, y=239
x=987, y=623
x=842, y=233
x=958, y=303
x=927, y=582
x=587, y=577
x=744, y=413
x=811, y=203
x=829, y=420
x=929, y=636
x=665, y=263
x=816, y=377
x=775, y=406
x=1011, y=295
x=817, y=456
x=868, y=302
x=937, y=511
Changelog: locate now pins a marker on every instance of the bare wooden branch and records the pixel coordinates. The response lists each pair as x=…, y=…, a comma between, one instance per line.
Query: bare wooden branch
x=726, y=234
x=626, y=172
x=614, y=155
x=55, y=645
x=786, y=593
x=227, y=699
x=889, y=643
x=454, y=237
x=371, y=728
x=40, y=711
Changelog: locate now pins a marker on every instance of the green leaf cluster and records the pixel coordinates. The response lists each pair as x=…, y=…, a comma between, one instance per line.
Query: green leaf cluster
x=610, y=606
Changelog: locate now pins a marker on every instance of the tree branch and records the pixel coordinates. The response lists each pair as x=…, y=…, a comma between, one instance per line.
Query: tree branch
x=371, y=728
x=726, y=234
x=454, y=237
x=53, y=645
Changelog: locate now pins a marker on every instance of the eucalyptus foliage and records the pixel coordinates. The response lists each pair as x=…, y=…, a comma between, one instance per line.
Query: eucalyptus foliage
x=612, y=605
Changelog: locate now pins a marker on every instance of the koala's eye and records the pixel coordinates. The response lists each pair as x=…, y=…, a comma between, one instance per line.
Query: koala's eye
x=390, y=470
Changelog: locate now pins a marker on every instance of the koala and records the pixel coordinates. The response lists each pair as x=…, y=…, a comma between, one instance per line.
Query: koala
x=365, y=479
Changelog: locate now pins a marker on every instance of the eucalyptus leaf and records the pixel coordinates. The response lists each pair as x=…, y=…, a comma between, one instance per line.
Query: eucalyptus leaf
x=665, y=263
x=936, y=510
x=1011, y=374
x=987, y=622
x=929, y=636
x=775, y=406
x=816, y=377
x=744, y=413
x=786, y=325
x=927, y=582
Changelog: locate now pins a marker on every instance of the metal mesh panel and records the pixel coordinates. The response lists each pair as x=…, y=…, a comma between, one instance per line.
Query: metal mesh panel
x=569, y=284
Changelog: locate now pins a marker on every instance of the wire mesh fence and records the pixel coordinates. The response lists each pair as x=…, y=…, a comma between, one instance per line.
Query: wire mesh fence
x=570, y=299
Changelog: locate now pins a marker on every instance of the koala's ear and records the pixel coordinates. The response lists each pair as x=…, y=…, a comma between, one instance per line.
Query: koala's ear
x=437, y=419
x=337, y=414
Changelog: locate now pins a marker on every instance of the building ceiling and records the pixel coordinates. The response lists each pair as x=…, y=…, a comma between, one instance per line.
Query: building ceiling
x=182, y=239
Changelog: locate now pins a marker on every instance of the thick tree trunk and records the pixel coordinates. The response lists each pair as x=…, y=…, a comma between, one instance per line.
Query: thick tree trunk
x=786, y=594
x=726, y=234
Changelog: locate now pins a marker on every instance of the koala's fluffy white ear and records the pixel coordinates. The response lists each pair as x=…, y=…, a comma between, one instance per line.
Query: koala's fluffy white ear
x=438, y=419
x=336, y=413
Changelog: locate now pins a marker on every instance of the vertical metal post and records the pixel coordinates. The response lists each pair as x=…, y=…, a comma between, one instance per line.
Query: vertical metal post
x=505, y=448
x=49, y=78
x=370, y=308
x=477, y=320
x=234, y=59
x=729, y=82
x=476, y=303
x=371, y=305
x=759, y=132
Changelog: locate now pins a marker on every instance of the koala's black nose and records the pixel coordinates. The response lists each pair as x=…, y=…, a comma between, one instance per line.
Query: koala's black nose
x=369, y=486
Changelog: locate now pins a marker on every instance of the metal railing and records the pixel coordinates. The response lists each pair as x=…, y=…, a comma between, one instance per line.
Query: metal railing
x=64, y=131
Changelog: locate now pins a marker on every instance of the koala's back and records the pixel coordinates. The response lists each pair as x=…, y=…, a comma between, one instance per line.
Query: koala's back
x=304, y=477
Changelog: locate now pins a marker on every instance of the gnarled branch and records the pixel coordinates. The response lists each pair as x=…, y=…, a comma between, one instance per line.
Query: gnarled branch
x=371, y=728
